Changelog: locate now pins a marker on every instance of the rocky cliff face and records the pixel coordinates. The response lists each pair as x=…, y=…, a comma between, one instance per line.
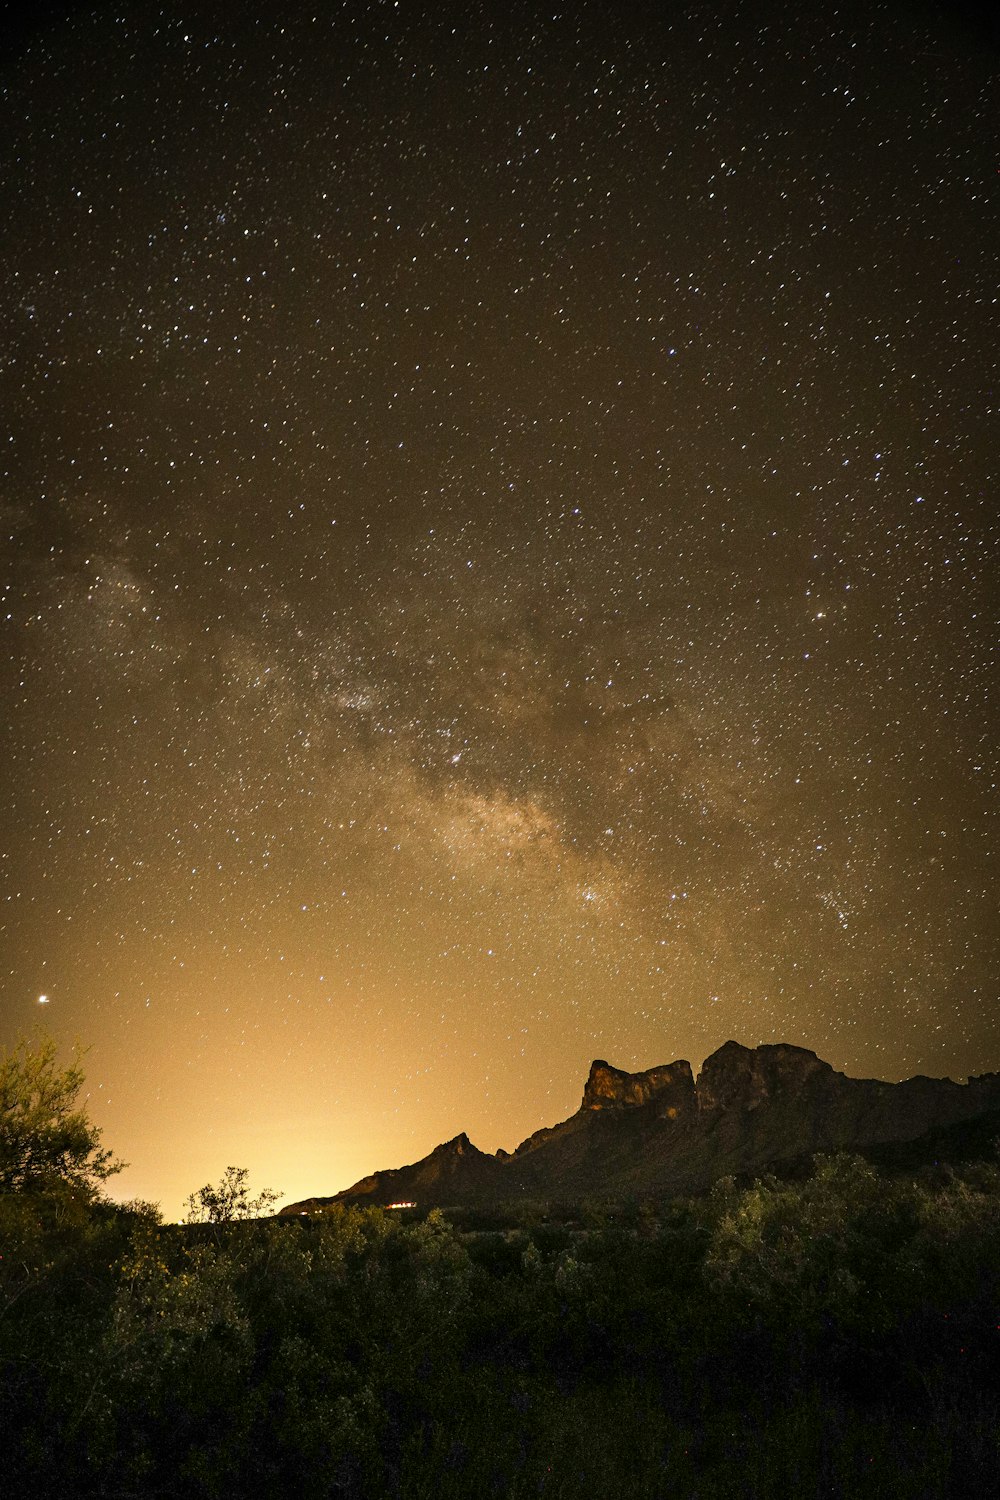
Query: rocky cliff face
x=661, y=1131
x=610, y=1088
x=745, y=1078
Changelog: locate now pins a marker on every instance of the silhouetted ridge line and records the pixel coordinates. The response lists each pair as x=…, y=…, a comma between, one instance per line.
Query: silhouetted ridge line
x=663, y=1131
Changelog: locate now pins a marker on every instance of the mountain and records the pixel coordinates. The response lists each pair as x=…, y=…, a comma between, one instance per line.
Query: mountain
x=662, y=1131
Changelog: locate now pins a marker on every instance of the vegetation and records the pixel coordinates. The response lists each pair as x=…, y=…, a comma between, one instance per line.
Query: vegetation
x=835, y=1335
x=229, y=1200
x=45, y=1141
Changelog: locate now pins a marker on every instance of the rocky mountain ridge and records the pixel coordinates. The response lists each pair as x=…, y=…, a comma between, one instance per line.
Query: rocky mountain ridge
x=664, y=1131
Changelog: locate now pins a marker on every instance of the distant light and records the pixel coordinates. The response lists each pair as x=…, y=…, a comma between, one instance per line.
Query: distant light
x=409, y=1203
x=43, y=999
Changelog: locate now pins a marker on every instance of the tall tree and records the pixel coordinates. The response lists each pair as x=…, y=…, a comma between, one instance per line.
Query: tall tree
x=46, y=1139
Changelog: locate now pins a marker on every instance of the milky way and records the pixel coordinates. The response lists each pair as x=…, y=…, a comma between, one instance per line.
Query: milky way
x=499, y=539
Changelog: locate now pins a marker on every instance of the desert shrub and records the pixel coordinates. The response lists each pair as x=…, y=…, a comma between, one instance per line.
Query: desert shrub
x=835, y=1334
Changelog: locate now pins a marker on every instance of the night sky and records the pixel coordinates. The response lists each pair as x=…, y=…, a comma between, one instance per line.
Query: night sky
x=499, y=546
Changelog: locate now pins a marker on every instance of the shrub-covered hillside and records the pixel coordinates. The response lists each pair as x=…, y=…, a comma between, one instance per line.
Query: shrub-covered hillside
x=838, y=1335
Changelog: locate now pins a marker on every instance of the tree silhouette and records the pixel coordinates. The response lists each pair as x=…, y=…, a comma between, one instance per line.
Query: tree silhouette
x=46, y=1140
x=228, y=1200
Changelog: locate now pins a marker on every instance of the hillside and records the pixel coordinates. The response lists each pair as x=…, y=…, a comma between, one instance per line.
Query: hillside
x=664, y=1131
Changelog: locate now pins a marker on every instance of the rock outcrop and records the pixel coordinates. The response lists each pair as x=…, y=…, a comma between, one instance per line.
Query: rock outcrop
x=662, y=1131
x=744, y=1078
x=611, y=1088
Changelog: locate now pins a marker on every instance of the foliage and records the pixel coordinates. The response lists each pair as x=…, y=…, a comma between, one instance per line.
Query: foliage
x=46, y=1141
x=836, y=1335
x=229, y=1200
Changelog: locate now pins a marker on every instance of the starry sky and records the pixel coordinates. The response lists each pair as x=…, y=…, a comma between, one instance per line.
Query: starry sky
x=499, y=545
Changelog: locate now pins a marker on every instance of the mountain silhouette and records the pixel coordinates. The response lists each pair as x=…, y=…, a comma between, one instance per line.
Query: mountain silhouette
x=663, y=1131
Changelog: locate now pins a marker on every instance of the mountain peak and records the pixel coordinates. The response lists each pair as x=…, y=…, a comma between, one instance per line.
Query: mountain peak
x=608, y=1087
x=738, y=1076
x=658, y=1132
x=459, y=1145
